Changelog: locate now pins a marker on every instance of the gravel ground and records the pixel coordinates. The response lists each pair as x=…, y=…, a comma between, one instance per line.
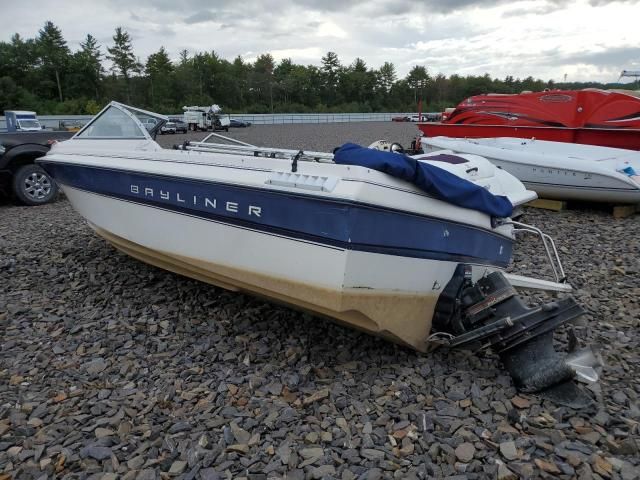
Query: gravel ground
x=110, y=368
x=321, y=137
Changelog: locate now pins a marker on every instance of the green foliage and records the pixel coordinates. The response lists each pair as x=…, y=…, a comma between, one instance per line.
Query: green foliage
x=14, y=97
x=124, y=61
x=88, y=68
x=92, y=108
x=35, y=73
x=158, y=70
x=53, y=53
x=386, y=76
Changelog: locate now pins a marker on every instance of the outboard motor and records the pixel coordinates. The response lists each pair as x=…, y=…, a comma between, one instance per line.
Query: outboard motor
x=395, y=147
x=387, y=146
x=490, y=313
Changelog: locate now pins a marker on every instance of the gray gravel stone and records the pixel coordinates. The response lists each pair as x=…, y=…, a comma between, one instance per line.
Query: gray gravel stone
x=95, y=451
x=177, y=467
x=147, y=474
x=465, y=452
x=372, y=454
x=95, y=366
x=209, y=474
x=508, y=450
x=504, y=473
x=323, y=471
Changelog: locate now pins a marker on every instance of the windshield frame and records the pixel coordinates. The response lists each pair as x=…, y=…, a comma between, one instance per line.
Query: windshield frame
x=147, y=134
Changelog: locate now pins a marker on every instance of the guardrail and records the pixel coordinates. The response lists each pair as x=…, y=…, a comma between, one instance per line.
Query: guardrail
x=275, y=118
x=53, y=121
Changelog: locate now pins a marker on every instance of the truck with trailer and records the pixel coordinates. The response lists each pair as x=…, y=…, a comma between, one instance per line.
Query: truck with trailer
x=205, y=118
x=22, y=121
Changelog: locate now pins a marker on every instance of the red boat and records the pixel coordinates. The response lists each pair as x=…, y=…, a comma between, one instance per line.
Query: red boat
x=590, y=116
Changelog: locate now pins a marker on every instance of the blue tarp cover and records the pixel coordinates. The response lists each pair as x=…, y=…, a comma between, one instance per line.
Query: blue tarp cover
x=433, y=180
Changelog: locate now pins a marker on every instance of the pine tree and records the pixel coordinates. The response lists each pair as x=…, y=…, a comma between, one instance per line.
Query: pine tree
x=387, y=76
x=91, y=61
x=158, y=68
x=330, y=72
x=121, y=54
x=184, y=57
x=330, y=68
x=159, y=63
x=263, y=75
x=53, y=51
x=240, y=71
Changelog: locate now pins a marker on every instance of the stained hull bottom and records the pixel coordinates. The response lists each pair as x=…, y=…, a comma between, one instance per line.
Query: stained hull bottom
x=399, y=317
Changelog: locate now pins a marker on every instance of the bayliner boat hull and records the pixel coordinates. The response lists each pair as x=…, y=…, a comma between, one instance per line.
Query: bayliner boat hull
x=382, y=272
x=557, y=170
x=390, y=254
x=298, y=273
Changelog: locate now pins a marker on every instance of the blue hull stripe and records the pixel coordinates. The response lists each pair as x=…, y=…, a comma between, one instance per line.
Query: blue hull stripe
x=333, y=222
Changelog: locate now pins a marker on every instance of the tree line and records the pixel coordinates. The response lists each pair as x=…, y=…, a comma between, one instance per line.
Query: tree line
x=43, y=74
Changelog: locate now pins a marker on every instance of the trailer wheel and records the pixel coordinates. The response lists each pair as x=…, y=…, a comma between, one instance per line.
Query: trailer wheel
x=33, y=186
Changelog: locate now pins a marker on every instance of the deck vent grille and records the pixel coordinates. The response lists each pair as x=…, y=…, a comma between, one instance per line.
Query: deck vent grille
x=305, y=182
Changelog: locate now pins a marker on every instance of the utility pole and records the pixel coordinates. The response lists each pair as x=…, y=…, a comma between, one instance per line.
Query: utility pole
x=632, y=74
x=271, y=94
x=420, y=84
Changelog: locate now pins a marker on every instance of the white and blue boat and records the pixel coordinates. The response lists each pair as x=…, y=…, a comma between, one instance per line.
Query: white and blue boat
x=565, y=171
x=331, y=234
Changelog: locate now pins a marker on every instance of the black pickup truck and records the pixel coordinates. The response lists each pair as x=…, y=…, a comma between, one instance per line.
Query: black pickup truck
x=19, y=175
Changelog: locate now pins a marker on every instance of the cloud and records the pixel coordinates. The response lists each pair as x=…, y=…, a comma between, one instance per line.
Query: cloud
x=623, y=57
x=599, y=3
x=534, y=9
x=304, y=54
x=200, y=17
x=542, y=38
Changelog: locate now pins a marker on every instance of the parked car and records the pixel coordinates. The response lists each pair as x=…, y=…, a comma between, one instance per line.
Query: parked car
x=181, y=126
x=149, y=123
x=426, y=117
x=168, y=127
x=19, y=175
x=401, y=119
x=234, y=122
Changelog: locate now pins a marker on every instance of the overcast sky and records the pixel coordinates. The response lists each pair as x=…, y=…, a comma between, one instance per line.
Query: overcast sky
x=584, y=39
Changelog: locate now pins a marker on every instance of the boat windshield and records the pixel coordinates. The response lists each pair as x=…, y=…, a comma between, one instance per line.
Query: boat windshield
x=121, y=121
x=112, y=123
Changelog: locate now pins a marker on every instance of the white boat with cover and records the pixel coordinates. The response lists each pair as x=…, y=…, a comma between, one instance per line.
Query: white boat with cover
x=333, y=235
x=567, y=171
